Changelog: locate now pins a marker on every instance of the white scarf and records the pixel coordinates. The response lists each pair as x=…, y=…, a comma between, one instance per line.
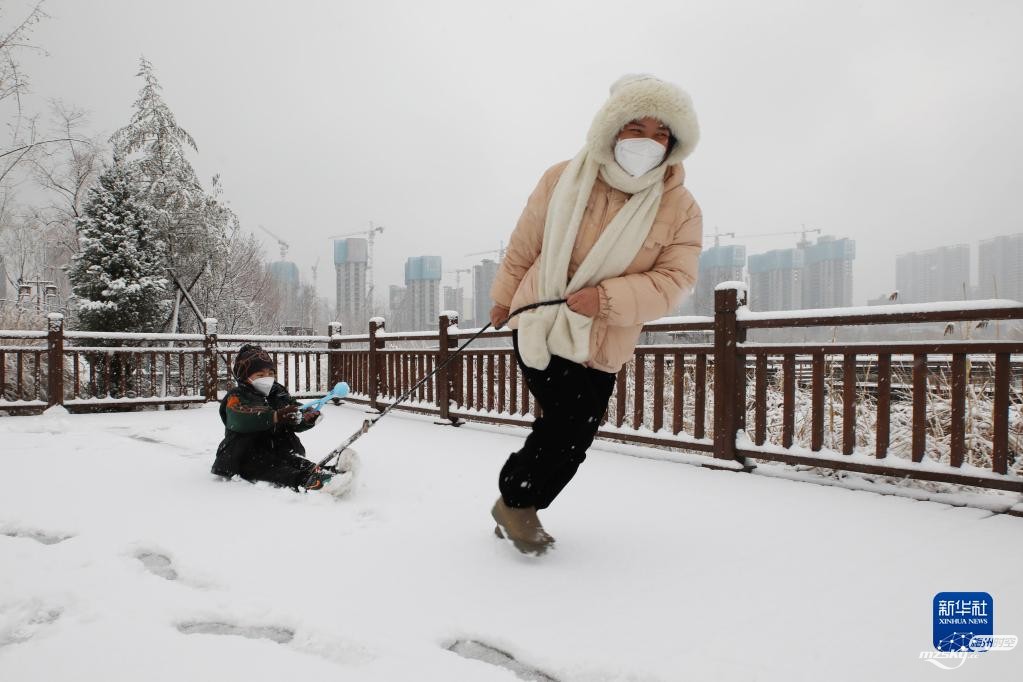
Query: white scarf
x=556, y=330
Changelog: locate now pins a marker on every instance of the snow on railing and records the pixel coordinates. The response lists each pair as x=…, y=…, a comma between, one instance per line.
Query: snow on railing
x=21, y=334
x=272, y=338
x=744, y=314
x=133, y=336
x=682, y=320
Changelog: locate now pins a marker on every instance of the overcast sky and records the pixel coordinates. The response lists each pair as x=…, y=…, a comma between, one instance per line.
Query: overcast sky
x=894, y=123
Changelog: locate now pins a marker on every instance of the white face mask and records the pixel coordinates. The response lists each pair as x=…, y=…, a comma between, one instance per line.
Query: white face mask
x=263, y=384
x=639, y=155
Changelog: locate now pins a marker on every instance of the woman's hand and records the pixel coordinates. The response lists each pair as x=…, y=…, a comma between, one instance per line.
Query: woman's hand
x=585, y=302
x=498, y=314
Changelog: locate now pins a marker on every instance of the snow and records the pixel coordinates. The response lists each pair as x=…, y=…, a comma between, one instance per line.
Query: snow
x=122, y=558
x=745, y=314
x=683, y=319
x=132, y=336
x=743, y=441
x=350, y=337
x=722, y=286
x=193, y=350
x=426, y=335
x=851, y=346
x=158, y=400
x=21, y=334
x=255, y=338
x=12, y=404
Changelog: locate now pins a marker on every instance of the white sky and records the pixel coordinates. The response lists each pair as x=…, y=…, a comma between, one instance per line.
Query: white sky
x=893, y=123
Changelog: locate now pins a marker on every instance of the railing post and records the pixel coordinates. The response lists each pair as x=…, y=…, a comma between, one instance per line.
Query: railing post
x=376, y=364
x=727, y=299
x=445, y=376
x=212, y=367
x=55, y=360
x=333, y=364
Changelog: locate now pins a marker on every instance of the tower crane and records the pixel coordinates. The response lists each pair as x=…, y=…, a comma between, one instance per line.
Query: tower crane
x=280, y=242
x=802, y=243
x=458, y=276
x=499, y=251
x=458, y=286
x=718, y=235
x=369, y=235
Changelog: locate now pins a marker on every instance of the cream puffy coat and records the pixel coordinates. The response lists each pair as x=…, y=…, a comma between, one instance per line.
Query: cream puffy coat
x=660, y=275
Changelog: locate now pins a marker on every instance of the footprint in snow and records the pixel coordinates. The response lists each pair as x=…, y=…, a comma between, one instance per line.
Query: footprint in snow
x=271, y=632
x=20, y=622
x=37, y=535
x=479, y=651
x=157, y=564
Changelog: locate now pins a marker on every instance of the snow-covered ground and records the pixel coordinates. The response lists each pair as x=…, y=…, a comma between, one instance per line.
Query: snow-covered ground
x=122, y=558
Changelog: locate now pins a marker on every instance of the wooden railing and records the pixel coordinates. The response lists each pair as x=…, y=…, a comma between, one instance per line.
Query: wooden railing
x=945, y=411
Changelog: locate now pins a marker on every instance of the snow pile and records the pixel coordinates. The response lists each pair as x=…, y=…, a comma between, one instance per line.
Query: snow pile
x=122, y=558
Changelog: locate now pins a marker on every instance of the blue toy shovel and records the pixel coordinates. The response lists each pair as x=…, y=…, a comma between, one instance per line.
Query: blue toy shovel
x=340, y=390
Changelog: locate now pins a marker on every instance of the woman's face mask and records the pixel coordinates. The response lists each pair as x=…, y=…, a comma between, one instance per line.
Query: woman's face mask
x=639, y=155
x=263, y=384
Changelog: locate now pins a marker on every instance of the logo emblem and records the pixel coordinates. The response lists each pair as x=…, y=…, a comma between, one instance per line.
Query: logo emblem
x=964, y=627
x=961, y=616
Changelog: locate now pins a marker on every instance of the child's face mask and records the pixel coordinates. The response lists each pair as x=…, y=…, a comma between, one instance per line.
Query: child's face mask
x=262, y=384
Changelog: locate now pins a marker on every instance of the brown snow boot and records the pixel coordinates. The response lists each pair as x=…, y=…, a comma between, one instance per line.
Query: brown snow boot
x=521, y=527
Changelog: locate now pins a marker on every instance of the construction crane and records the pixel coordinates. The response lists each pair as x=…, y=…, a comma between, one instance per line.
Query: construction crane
x=718, y=235
x=458, y=275
x=803, y=242
x=369, y=234
x=284, y=246
x=458, y=286
x=500, y=252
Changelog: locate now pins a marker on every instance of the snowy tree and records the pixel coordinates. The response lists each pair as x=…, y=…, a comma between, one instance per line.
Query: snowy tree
x=155, y=147
x=117, y=276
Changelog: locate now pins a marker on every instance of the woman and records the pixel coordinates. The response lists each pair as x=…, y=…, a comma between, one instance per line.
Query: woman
x=615, y=233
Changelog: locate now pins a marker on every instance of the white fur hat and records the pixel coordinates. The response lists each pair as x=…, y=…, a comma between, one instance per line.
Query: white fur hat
x=637, y=96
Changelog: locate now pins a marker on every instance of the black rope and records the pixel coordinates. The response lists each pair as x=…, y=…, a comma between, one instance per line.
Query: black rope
x=368, y=424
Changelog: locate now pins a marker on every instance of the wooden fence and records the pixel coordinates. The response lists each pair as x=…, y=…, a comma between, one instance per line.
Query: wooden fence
x=948, y=411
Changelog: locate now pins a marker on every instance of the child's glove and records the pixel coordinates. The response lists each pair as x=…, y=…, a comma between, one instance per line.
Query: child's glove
x=312, y=417
x=289, y=414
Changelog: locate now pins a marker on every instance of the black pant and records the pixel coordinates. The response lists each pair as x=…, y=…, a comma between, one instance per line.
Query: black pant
x=289, y=471
x=573, y=399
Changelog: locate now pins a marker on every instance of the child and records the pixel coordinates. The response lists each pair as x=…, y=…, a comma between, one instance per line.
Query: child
x=261, y=421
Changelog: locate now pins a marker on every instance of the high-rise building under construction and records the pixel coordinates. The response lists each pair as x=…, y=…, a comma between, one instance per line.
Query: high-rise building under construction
x=1000, y=261
x=422, y=285
x=827, y=273
x=483, y=276
x=717, y=264
x=938, y=274
x=776, y=280
x=350, y=259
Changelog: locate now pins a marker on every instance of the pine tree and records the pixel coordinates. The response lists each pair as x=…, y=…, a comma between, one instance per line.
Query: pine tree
x=154, y=147
x=117, y=277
